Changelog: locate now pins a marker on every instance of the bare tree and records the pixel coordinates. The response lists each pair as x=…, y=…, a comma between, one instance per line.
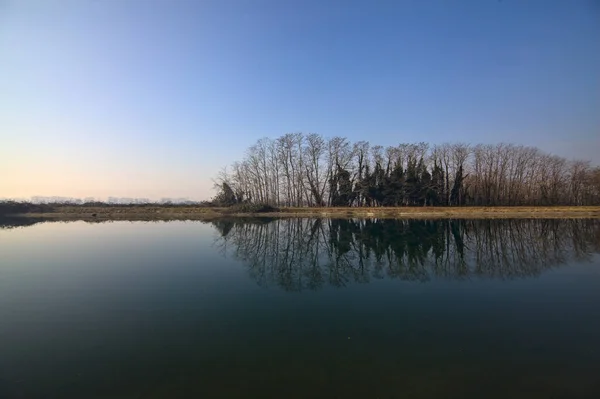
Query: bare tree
x=308, y=170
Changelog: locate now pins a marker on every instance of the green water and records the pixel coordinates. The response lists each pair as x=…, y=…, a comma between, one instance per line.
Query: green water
x=301, y=308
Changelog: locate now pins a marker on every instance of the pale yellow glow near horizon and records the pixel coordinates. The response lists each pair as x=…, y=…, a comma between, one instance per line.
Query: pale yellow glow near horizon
x=48, y=183
x=40, y=165
x=22, y=179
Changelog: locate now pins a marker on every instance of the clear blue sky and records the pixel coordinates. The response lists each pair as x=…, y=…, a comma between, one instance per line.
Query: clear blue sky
x=150, y=98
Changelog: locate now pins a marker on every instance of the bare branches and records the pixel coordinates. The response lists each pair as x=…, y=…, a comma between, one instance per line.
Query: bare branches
x=309, y=170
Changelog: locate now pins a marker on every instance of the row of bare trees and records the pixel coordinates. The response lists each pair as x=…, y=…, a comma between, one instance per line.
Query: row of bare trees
x=308, y=170
x=302, y=253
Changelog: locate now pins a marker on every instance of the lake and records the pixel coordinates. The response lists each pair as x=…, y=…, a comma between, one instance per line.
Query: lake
x=291, y=308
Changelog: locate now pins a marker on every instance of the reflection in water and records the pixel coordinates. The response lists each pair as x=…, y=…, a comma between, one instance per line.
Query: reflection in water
x=7, y=223
x=14, y=222
x=299, y=254
x=129, y=310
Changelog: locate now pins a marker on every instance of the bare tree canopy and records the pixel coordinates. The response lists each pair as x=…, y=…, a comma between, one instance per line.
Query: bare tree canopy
x=299, y=169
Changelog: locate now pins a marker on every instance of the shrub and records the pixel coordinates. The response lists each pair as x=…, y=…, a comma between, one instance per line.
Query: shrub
x=15, y=208
x=252, y=208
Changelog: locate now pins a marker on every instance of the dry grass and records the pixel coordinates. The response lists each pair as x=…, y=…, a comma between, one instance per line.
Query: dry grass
x=204, y=213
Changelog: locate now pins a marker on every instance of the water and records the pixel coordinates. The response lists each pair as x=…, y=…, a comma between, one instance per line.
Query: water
x=301, y=308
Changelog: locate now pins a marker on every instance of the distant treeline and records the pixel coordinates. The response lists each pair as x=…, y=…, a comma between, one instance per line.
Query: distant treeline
x=16, y=207
x=22, y=207
x=299, y=254
x=109, y=201
x=309, y=170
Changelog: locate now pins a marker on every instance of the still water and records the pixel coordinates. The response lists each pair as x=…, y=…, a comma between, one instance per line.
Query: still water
x=301, y=308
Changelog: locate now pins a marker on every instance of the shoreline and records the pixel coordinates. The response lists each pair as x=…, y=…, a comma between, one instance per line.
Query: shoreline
x=151, y=213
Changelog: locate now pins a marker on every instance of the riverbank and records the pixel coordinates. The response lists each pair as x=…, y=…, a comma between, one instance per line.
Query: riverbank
x=152, y=212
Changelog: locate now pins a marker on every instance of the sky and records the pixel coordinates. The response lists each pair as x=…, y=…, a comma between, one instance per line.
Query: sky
x=151, y=98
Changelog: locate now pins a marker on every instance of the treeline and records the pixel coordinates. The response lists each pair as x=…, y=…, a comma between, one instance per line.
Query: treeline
x=9, y=208
x=299, y=254
x=308, y=170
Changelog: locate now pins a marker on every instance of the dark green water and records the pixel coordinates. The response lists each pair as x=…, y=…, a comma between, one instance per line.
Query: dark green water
x=301, y=308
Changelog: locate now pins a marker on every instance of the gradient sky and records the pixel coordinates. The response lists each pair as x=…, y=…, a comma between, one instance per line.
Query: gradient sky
x=150, y=98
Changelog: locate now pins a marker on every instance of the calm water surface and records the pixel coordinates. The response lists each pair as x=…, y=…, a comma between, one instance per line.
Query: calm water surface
x=301, y=308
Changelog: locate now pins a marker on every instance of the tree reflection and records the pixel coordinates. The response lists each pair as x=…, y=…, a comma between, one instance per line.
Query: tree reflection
x=299, y=254
x=16, y=222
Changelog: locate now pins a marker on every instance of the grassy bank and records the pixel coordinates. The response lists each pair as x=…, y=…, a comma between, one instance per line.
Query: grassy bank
x=190, y=212
x=451, y=212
